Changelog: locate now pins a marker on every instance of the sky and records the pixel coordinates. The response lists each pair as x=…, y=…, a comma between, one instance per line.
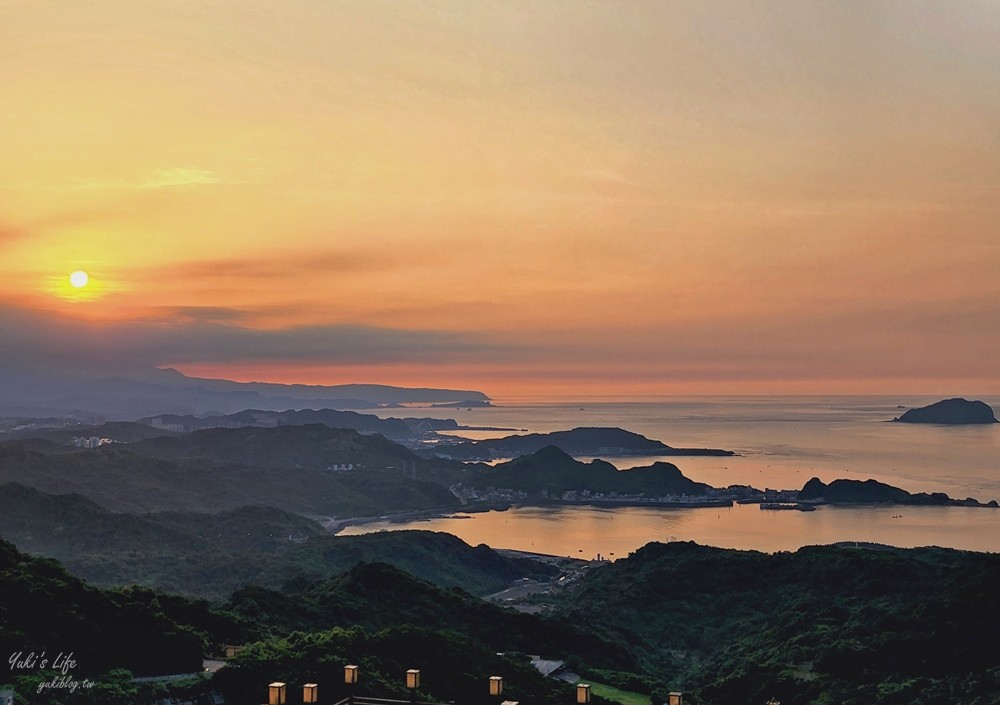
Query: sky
x=539, y=197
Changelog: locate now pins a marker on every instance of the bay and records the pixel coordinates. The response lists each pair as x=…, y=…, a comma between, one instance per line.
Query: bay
x=782, y=442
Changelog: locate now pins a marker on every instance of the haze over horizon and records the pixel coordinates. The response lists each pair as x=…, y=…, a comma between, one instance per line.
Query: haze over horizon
x=548, y=197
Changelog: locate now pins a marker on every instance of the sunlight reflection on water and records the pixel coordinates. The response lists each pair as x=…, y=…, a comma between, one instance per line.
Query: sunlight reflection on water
x=782, y=441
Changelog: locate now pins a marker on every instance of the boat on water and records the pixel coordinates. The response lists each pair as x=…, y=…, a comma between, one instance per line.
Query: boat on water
x=785, y=506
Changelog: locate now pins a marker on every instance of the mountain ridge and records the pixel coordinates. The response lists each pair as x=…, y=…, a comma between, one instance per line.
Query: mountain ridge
x=131, y=395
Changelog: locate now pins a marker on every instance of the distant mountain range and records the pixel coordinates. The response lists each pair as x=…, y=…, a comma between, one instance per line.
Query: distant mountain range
x=134, y=395
x=396, y=428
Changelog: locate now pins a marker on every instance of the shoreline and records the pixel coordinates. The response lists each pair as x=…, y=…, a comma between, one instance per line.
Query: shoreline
x=335, y=526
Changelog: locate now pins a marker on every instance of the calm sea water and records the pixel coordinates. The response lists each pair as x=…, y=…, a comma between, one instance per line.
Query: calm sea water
x=782, y=442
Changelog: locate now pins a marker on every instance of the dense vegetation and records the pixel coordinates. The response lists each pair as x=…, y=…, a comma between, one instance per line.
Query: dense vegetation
x=454, y=666
x=211, y=555
x=221, y=469
x=398, y=622
x=45, y=611
x=373, y=614
x=822, y=625
x=378, y=596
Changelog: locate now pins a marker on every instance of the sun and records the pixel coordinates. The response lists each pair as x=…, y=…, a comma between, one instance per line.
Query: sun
x=79, y=279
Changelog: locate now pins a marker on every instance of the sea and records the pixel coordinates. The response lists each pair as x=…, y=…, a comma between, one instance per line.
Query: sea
x=781, y=442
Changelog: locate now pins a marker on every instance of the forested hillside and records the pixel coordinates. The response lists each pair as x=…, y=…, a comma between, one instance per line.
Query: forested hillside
x=821, y=625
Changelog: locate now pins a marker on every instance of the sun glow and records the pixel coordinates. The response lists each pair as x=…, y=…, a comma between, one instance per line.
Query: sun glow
x=79, y=285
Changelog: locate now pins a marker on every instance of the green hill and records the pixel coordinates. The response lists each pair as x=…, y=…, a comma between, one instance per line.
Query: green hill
x=223, y=469
x=211, y=555
x=821, y=625
x=388, y=621
x=45, y=609
x=118, y=431
x=377, y=596
x=454, y=667
x=308, y=447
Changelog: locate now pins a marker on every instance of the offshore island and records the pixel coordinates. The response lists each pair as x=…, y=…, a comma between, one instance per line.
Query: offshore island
x=952, y=412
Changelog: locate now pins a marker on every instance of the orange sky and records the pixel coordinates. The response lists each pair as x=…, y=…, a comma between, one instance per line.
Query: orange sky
x=643, y=197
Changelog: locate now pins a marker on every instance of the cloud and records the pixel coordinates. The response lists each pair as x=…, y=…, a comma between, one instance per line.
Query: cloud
x=606, y=176
x=211, y=335
x=279, y=266
x=946, y=339
x=200, y=314
x=319, y=344
x=172, y=178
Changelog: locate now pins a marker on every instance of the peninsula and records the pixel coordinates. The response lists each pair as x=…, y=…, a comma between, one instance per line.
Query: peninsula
x=552, y=476
x=874, y=492
x=584, y=441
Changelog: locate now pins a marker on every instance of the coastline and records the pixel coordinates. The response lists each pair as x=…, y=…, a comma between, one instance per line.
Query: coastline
x=335, y=526
x=585, y=531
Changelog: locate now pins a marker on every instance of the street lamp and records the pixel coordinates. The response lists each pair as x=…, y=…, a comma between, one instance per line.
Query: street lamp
x=675, y=698
x=310, y=693
x=413, y=682
x=582, y=694
x=351, y=679
x=496, y=686
x=413, y=678
x=276, y=693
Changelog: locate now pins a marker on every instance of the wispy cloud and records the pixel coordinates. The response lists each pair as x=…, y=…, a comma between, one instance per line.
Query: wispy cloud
x=177, y=177
x=201, y=314
x=171, y=178
x=280, y=266
x=606, y=177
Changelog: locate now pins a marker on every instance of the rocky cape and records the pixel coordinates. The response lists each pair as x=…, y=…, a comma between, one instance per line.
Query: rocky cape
x=874, y=492
x=952, y=412
x=550, y=472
